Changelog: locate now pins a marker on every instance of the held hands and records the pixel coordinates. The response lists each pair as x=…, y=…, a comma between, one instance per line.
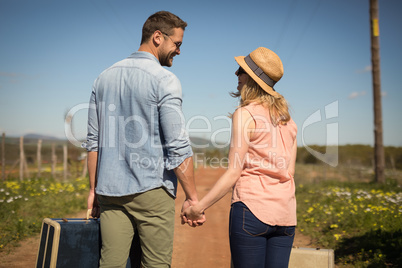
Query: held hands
x=192, y=216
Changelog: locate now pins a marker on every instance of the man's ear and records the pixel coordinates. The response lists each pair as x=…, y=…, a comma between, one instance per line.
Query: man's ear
x=157, y=38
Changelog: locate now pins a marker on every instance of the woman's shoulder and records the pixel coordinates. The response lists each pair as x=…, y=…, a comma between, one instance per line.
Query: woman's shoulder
x=242, y=111
x=291, y=125
x=256, y=108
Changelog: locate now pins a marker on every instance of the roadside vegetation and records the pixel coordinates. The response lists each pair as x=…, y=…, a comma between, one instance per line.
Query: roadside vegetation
x=24, y=205
x=340, y=208
x=343, y=209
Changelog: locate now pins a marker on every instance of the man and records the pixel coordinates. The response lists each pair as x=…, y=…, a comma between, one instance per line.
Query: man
x=138, y=148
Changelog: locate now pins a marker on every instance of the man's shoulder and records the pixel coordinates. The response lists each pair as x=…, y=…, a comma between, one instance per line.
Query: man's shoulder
x=142, y=64
x=148, y=63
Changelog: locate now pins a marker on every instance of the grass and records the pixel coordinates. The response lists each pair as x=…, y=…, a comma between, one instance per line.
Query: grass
x=23, y=205
x=359, y=219
x=340, y=208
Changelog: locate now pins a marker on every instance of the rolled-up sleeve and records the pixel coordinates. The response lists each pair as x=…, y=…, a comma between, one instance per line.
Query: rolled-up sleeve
x=91, y=143
x=172, y=122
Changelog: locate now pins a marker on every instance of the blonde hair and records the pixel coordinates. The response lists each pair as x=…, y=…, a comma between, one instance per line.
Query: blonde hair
x=277, y=106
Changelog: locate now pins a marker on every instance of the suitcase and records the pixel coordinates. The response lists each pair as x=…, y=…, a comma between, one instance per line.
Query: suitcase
x=312, y=257
x=67, y=243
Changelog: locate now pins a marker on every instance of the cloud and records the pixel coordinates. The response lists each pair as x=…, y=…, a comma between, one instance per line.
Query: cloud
x=17, y=77
x=11, y=77
x=355, y=94
x=364, y=70
x=4, y=74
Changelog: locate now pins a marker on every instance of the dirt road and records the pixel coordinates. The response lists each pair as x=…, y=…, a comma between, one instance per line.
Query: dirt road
x=206, y=246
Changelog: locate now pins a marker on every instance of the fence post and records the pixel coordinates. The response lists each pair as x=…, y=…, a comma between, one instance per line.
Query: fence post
x=65, y=161
x=54, y=160
x=3, y=156
x=22, y=157
x=39, y=157
x=85, y=168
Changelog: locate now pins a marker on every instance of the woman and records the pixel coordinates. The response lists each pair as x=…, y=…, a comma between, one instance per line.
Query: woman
x=261, y=167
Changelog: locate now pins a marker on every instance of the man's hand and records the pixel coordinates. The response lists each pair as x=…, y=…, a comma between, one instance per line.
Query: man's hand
x=192, y=216
x=186, y=204
x=185, y=175
x=93, y=204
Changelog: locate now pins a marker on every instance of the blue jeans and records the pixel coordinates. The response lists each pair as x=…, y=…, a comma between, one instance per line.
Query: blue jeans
x=254, y=244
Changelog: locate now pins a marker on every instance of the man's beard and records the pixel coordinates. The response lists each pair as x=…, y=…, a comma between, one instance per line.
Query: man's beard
x=165, y=60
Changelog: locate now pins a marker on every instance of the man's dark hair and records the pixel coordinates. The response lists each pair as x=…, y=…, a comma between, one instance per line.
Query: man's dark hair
x=163, y=21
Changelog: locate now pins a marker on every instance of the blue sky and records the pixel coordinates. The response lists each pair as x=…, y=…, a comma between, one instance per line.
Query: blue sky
x=52, y=51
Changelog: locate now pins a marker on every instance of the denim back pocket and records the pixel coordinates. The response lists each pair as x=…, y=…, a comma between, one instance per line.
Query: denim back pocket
x=289, y=230
x=252, y=225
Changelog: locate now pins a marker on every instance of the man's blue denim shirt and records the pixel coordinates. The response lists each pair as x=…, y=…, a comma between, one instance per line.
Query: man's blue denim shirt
x=136, y=124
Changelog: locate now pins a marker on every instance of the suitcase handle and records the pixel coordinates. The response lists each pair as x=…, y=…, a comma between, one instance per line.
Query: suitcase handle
x=89, y=211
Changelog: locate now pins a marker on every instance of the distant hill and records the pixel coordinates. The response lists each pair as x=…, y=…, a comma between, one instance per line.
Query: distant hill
x=197, y=142
x=350, y=154
x=202, y=143
x=34, y=136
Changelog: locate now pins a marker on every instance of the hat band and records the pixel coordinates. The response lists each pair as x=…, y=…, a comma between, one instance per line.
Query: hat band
x=260, y=73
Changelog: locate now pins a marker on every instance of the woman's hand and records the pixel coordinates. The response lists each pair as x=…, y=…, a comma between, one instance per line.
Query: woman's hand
x=193, y=216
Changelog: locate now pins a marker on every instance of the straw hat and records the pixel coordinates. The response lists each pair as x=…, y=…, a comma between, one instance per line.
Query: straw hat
x=264, y=66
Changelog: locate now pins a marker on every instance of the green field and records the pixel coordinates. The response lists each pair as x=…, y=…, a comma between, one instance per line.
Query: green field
x=23, y=205
x=343, y=209
x=340, y=207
